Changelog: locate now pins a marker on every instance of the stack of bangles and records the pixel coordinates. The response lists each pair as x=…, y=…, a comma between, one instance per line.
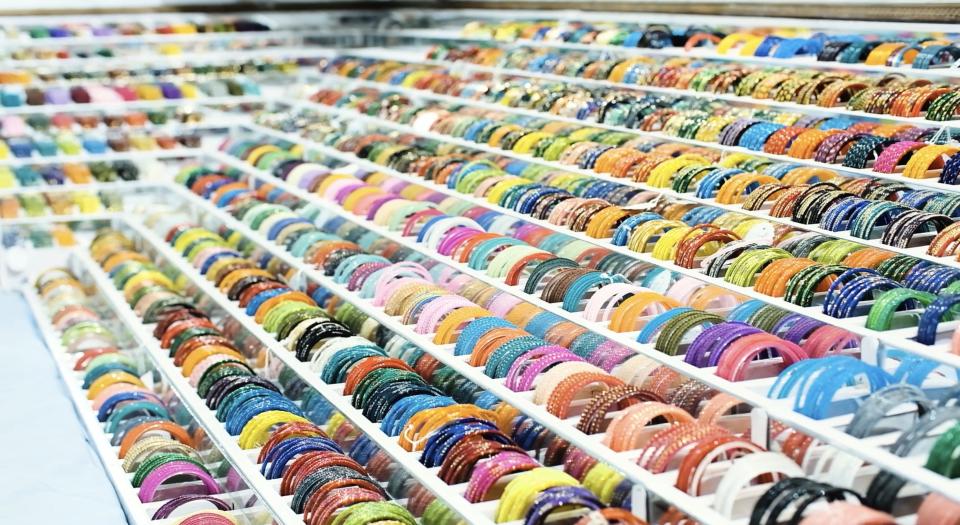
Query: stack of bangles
x=856, y=206
x=65, y=174
x=157, y=445
x=919, y=51
x=803, y=269
x=886, y=95
x=59, y=203
x=323, y=479
x=902, y=149
x=570, y=373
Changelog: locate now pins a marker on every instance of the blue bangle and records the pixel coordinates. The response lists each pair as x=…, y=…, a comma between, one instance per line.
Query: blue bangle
x=767, y=45
x=261, y=297
x=283, y=452
x=838, y=216
x=541, y=323
x=931, y=316
x=481, y=252
x=363, y=449
x=108, y=406
x=654, y=325
x=135, y=408
x=91, y=375
x=579, y=288
x=743, y=311
x=844, y=303
x=335, y=371
x=622, y=234
x=472, y=333
x=516, y=346
x=400, y=412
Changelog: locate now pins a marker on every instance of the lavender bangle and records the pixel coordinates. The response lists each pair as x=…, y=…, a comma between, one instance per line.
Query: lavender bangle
x=530, y=373
x=486, y=473
x=706, y=349
x=167, y=508
x=608, y=355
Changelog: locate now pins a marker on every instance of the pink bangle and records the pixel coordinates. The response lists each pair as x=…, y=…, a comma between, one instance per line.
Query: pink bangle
x=525, y=370
x=684, y=289
x=487, y=472
x=938, y=510
x=116, y=388
x=502, y=303
x=740, y=354
x=207, y=517
x=601, y=304
x=435, y=310
x=890, y=157
x=846, y=513
x=156, y=478
x=413, y=220
x=455, y=284
x=827, y=340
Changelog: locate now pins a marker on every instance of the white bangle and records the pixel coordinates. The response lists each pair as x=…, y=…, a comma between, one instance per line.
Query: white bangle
x=744, y=470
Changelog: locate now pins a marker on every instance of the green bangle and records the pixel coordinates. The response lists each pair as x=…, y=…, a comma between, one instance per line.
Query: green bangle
x=155, y=461
x=218, y=371
x=896, y=267
x=883, y=309
x=673, y=331
x=744, y=269
x=767, y=316
x=271, y=322
x=835, y=251
x=372, y=512
x=943, y=458
x=802, y=286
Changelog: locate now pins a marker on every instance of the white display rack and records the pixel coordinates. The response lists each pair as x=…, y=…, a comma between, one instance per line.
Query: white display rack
x=131, y=185
x=892, y=339
x=188, y=103
x=917, y=251
x=294, y=36
x=176, y=153
x=456, y=66
x=157, y=60
x=54, y=219
x=639, y=17
x=809, y=62
x=137, y=512
x=407, y=460
x=751, y=392
x=731, y=99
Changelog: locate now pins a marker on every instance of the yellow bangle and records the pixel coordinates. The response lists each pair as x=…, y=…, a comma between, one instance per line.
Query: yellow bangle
x=733, y=190
x=450, y=326
x=519, y=494
x=665, y=248
x=926, y=159
x=731, y=40
x=257, y=430
x=641, y=235
x=258, y=152
x=111, y=378
x=662, y=175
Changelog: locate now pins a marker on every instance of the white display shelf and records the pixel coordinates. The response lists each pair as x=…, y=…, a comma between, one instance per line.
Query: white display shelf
x=188, y=103
x=675, y=52
x=751, y=392
x=386, y=54
x=133, y=185
x=694, y=507
x=135, y=511
x=54, y=219
x=407, y=460
x=157, y=154
x=217, y=57
x=898, y=339
x=918, y=251
x=157, y=38
x=247, y=469
x=640, y=17
x=731, y=99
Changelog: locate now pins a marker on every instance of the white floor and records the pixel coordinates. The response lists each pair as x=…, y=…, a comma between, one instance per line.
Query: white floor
x=50, y=474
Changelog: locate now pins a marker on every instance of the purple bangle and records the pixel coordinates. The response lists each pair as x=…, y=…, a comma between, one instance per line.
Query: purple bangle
x=829, y=149
x=364, y=271
x=577, y=463
x=731, y=134
x=488, y=472
x=167, y=508
x=170, y=90
x=206, y=518
x=909, y=134
x=345, y=191
x=890, y=157
x=530, y=372
x=57, y=95
x=801, y=329
x=706, y=349
x=307, y=181
x=526, y=359
x=785, y=323
x=454, y=238
x=395, y=185
x=156, y=478
x=380, y=201
x=554, y=498
x=609, y=355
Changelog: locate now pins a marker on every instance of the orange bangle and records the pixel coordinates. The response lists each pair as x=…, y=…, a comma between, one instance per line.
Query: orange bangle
x=564, y=393
x=773, y=278
x=134, y=434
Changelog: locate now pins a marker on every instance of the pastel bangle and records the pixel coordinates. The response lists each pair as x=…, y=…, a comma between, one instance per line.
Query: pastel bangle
x=160, y=475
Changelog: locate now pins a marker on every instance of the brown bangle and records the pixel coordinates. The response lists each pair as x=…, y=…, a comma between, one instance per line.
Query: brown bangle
x=595, y=412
